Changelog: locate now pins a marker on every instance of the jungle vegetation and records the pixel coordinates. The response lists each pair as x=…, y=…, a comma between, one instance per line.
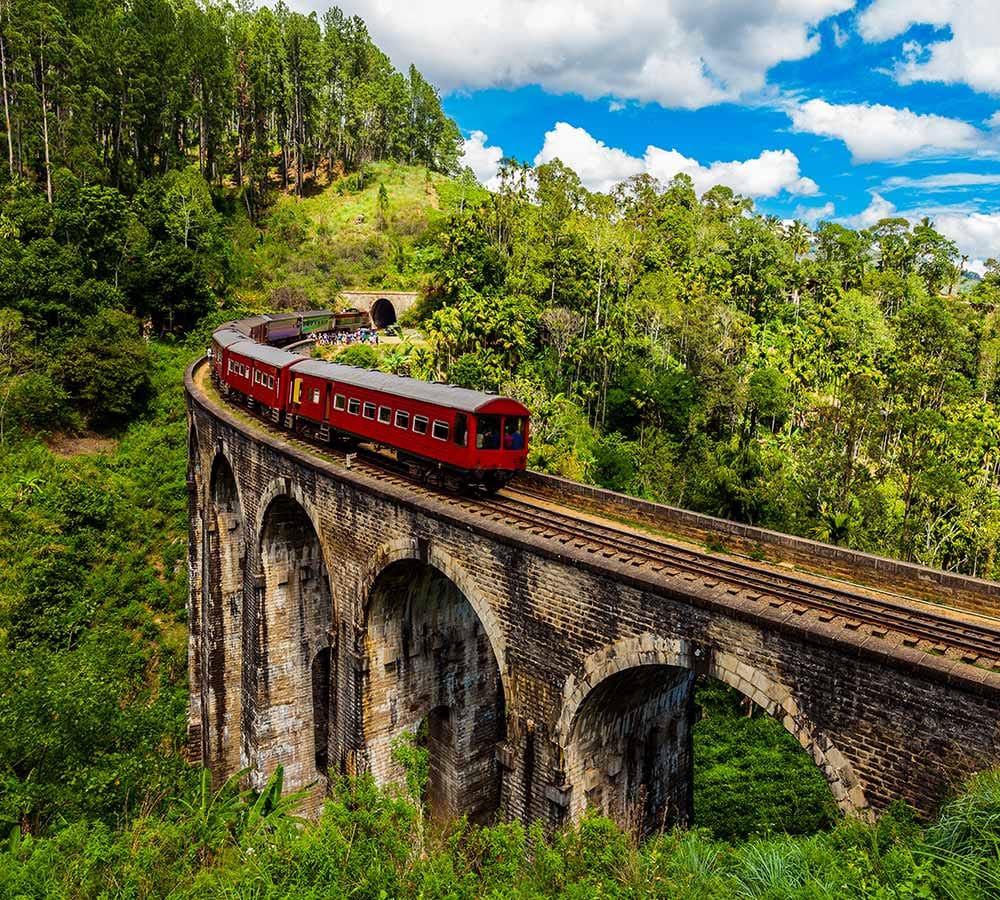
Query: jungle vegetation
x=172, y=164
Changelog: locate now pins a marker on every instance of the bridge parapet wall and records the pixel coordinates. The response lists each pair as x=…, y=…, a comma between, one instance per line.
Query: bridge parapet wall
x=879, y=572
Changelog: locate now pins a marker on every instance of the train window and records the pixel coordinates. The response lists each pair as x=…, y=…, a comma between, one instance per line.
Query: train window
x=402, y=419
x=461, y=429
x=270, y=381
x=513, y=433
x=440, y=430
x=338, y=402
x=315, y=395
x=420, y=424
x=368, y=410
x=384, y=415
x=256, y=377
x=353, y=406
x=487, y=432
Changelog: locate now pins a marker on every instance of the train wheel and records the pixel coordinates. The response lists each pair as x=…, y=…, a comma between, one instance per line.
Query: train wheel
x=493, y=481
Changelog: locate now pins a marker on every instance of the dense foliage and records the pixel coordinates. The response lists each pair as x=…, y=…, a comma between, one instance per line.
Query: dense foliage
x=833, y=384
x=120, y=92
x=93, y=578
x=369, y=844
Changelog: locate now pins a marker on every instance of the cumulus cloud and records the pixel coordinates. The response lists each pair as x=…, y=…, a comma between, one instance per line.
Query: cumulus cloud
x=977, y=234
x=600, y=167
x=483, y=160
x=875, y=131
x=968, y=55
x=679, y=53
x=944, y=182
x=811, y=215
x=878, y=208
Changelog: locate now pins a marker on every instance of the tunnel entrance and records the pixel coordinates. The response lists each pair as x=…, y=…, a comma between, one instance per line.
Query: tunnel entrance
x=383, y=313
x=430, y=661
x=297, y=655
x=222, y=619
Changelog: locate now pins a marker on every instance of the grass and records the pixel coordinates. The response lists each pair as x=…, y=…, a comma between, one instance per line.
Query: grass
x=333, y=239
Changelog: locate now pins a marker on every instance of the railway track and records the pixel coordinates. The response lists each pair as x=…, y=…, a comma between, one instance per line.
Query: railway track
x=918, y=624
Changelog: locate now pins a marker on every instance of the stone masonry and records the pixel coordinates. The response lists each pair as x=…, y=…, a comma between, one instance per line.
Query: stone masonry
x=330, y=613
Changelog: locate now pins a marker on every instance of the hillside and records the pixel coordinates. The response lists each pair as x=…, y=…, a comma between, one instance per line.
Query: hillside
x=375, y=229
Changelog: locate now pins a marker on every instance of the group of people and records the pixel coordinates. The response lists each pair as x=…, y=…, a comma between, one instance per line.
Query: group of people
x=343, y=338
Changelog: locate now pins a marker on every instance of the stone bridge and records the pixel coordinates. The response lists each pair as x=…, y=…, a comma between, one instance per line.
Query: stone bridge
x=384, y=307
x=331, y=611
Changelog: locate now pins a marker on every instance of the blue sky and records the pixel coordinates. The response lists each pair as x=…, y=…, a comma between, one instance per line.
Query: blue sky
x=818, y=109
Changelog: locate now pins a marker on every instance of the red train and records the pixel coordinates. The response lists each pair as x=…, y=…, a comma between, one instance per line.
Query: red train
x=464, y=437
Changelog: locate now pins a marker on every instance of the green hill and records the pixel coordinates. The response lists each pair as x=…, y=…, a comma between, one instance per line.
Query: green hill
x=357, y=231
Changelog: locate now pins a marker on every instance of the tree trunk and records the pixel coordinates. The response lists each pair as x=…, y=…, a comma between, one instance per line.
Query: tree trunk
x=45, y=124
x=6, y=105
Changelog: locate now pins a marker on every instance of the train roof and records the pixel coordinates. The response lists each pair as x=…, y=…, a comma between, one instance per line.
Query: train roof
x=281, y=316
x=447, y=395
x=271, y=356
x=226, y=337
x=316, y=312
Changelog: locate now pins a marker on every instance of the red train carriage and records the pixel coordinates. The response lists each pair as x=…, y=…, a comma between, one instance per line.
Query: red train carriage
x=260, y=373
x=222, y=340
x=480, y=436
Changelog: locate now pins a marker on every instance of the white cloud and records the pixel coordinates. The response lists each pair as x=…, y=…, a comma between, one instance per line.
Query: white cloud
x=813, y=214
x=618, y=106
x=875, y=131
x=969, y=55
x=977, y=234
x=680, y=53
x=600, y=167
x=994, y=120
x=946, y=181
x=878, y=208
x=483, y=160
x=840, y=37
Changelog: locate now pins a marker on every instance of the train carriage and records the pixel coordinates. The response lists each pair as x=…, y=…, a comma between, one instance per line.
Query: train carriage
x=351, y=320
x=482, y=436
x=260, y=373
x=222, y=340
x=462, y=436
x=283, y=328
x=315, y=321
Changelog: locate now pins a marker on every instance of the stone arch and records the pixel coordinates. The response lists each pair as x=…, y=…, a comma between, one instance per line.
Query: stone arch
x=383, y=313
x=419, y=551
x=672, y=655
x=432, y=663
x=222, y=621
x=295, y=644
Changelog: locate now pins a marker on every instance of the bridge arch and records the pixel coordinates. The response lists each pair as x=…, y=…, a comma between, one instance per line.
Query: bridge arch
x=426, y=551
x=222, y=619
x=295, y=643
x=649, y=654
x=383, y=313
x=433, y=667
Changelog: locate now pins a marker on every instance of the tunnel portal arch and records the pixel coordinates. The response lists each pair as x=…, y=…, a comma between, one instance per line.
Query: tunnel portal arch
x=383, y=313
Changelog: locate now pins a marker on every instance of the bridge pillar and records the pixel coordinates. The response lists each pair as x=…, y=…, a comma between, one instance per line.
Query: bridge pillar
x=293, y=653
